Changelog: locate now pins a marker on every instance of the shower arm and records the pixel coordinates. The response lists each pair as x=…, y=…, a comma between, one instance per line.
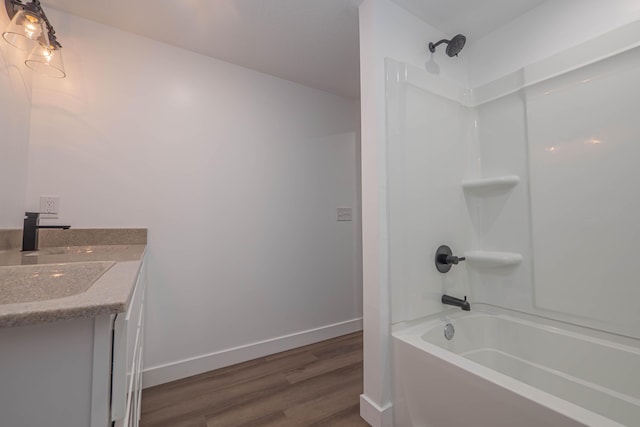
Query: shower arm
x=433, y=46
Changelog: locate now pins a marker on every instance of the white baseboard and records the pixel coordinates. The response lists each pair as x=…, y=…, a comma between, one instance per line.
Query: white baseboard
x=161, y=374
x=374, y=414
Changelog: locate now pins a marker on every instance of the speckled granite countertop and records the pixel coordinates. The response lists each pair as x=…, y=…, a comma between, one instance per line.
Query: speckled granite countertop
x=91, y=272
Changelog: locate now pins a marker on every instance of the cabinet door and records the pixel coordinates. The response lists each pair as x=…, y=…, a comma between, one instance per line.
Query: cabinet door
x=102, y=365
x=46, y=374
x=127, y=341
x=135, y=416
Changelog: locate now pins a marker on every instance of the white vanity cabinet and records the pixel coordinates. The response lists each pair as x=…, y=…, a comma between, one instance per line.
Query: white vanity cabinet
x=76, y=373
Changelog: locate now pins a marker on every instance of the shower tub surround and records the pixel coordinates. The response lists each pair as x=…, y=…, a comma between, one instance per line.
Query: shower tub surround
x=535, y=178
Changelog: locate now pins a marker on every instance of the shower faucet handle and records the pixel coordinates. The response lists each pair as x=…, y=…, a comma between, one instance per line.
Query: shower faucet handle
x=452, y=259
x=445, y=259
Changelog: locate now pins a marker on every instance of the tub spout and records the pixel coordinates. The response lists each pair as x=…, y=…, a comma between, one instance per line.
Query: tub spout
x=456, y=302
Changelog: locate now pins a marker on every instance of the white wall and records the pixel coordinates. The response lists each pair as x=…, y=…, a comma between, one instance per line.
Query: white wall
x=386, y=30
x=550, y=28
x=15, y=112
x=236, y=174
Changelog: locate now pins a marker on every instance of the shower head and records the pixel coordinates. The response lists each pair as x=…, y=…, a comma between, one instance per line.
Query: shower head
x=454, y=46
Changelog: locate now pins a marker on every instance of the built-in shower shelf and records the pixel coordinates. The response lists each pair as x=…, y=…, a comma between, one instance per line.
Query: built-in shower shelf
x=489, y=259
x=489, y=185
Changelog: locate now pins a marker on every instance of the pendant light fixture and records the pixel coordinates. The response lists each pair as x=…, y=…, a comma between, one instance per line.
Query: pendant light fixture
x=47, y=60
x=31, y=32
x=26, y=31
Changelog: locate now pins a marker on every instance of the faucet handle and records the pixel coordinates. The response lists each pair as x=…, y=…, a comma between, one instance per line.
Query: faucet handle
x=445, y=259
x=452, y=259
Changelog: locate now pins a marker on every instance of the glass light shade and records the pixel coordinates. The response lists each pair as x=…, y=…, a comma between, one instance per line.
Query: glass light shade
x=46, y=61
x=26, y=31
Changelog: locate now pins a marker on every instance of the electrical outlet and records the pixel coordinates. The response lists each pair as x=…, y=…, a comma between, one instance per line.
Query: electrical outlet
x=49, y=207
x=344, y=214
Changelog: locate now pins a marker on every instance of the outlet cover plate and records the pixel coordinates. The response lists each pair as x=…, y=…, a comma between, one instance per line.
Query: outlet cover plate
x=49, y=207
x=344, y=214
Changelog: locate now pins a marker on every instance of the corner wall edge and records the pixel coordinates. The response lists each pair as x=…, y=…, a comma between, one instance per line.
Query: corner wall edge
x=372, y=413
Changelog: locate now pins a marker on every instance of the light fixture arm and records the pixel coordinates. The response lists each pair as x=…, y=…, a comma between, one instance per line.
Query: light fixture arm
x=13, y=6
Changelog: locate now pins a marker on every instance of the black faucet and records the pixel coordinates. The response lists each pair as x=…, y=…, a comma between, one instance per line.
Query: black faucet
x=457, y=302
x=30, y=230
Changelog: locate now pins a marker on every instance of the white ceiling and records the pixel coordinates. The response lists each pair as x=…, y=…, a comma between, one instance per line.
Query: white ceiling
x=473, y=18
x=312, y=42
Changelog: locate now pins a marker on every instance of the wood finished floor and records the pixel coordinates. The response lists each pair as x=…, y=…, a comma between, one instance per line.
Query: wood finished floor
x=318, y=385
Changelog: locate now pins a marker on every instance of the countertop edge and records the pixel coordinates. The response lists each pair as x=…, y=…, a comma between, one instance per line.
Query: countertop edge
x=109, y=294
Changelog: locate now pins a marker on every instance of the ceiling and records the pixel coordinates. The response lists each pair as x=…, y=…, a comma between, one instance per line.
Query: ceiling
x=473, y=18
x=311, y=42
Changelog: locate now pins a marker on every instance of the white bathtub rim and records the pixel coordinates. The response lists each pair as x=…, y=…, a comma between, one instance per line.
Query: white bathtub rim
x=618, y=395
x=413, y=337
x=568, y=409
x=419, y=326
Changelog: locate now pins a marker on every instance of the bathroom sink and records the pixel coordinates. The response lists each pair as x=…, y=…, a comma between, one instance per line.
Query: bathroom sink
x=28, y=283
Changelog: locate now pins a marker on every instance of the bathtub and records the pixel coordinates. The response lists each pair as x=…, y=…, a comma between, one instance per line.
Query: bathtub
x=504, y=369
